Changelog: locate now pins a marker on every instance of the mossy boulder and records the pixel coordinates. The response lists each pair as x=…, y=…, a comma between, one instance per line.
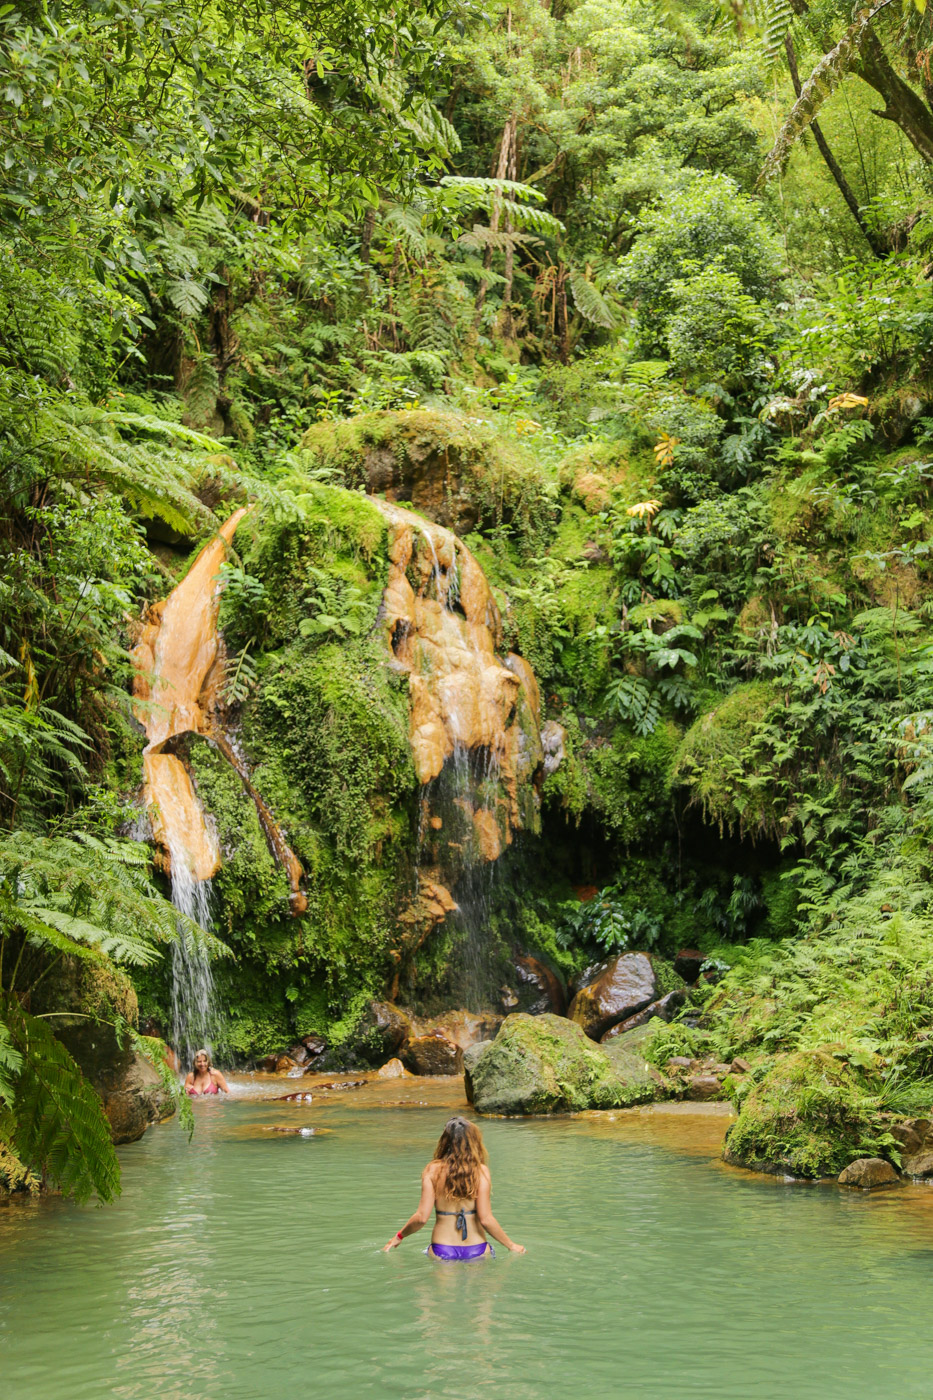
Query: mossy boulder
x=546, y=1064
x=456, y=470
x=806, y=1117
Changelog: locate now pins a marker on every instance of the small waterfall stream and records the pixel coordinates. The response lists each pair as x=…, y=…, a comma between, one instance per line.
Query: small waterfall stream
x=174, y=657
x=194, y=1012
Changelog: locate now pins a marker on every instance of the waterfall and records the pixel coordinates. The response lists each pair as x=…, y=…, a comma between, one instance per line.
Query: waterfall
x=194, y=1016
x=174, y=657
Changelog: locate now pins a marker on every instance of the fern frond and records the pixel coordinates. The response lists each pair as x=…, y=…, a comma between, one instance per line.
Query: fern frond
x=405, y=222
x=590, y=302
x=11, y=1062
x=778, y=18
x=60, y=1130
x=481, y=236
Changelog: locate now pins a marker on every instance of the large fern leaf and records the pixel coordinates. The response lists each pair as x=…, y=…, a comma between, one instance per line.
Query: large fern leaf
x=60, y=1130
x=590, y=302
x=778, y=18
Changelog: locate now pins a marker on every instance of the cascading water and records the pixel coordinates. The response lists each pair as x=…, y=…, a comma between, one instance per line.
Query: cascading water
x=194, y=1014
x=173, y=658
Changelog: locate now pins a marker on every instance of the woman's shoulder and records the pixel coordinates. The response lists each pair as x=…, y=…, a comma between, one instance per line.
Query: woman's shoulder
x=432, y=1169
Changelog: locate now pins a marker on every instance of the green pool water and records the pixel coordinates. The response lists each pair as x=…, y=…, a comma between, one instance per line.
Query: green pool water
x=246, y=1266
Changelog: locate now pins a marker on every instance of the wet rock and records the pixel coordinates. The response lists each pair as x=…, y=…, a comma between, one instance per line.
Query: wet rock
x=285, y=1063
x=298, y=1054
x=301, y=1097
x=293, y=1132
x=910, y=1141
x=540, y=988
x=315, y=1045
x=703, y=1086
x=391, y=1024
x=920, y=1166
x=471, y=1059
x=613, y=991
x=393, y=1069
x=915, y=1135
x=134, y=1100
x=739, y=1066
x=546, y=1064
x=679, y=1062
x=464, y=1028
x=130, y=1089
x=336, y=1085
x=553, y=741
x=688, y=962
x=665, y=1009
x=433, y=1054
x=867, y=1173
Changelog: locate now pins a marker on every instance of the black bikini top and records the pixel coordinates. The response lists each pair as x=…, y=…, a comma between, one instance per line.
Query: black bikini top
x=460, y=1222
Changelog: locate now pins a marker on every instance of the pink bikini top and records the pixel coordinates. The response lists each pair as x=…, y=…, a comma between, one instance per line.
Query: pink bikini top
x=211, y=1089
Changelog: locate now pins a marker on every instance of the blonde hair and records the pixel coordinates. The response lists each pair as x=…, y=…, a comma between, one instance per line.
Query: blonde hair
x=197, y=1056
x=461, y=1150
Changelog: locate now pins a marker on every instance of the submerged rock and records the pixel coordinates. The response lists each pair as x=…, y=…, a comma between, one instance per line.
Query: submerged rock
x=867, y=1173
x=433, y=1054
x=612, y=991
x=393, y=1069
x=546, y=1064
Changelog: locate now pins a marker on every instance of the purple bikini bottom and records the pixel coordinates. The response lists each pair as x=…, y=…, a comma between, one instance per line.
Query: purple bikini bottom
x=460, y=1251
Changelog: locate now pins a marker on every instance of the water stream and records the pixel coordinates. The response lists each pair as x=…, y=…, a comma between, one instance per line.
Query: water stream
x=247, y=1265
x=194, y=1012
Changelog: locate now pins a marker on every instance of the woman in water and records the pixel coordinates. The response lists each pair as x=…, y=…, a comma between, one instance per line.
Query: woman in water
x=457, y=1184
x=204, y=1079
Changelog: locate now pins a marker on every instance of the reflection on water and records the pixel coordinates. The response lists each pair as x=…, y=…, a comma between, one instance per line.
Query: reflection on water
x=247, y=1267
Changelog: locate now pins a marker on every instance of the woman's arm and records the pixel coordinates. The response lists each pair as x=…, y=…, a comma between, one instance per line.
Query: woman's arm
x=220, y=1081
x=189, y=1082
x=486, y=1218
x=421, y=1215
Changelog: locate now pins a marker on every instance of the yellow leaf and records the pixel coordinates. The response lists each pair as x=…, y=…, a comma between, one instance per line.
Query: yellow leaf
x=664, y=450
x=846, y=401
x=644, y=508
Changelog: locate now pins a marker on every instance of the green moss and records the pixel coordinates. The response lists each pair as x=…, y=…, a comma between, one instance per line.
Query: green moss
x=500, y=478
x=714, y=760
x=807, y=1116
x=545, y=1064
x=626, y=774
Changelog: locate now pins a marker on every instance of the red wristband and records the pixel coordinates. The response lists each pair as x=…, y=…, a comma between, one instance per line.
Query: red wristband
x=398, y=1234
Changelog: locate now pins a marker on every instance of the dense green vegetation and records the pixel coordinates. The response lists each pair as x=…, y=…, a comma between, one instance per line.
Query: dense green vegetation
x=681, y=411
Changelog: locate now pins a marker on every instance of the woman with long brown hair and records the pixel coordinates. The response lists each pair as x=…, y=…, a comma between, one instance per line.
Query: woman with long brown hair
x=456, y=1184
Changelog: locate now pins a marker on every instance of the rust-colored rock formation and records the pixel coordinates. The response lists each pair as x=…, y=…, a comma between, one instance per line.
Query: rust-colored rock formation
x=175, y=693
x=444, y=630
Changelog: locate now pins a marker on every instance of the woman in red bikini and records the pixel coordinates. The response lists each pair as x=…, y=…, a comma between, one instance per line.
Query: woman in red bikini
x=457, y=1184
x=204, y=1079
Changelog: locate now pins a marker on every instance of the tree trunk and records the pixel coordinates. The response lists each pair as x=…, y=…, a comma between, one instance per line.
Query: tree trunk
x=502, y=166
x=872, y=238
x=902, y=105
